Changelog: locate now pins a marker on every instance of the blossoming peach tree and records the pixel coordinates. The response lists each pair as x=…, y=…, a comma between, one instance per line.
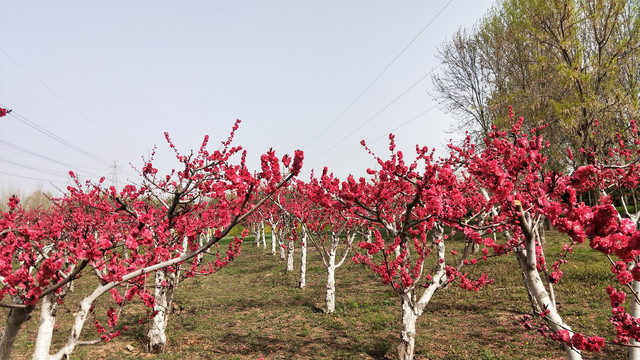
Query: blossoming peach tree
x=520, y=194
x=409, y=206
x=115, y=239
x=510, y=173
x=610, y=230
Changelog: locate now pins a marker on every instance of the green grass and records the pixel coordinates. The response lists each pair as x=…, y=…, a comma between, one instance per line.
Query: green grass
x=252, y=309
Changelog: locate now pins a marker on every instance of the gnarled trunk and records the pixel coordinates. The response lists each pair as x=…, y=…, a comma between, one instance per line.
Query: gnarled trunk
x=163, y=296
x=16, y=318
x=408, y=319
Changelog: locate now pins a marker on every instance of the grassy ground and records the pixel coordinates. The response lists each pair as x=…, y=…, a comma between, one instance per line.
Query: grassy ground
x=252, y=309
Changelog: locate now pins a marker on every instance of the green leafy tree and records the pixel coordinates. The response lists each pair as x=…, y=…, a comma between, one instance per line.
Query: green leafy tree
x=564, y=62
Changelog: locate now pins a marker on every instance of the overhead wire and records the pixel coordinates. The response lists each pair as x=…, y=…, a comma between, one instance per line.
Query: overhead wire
x=53, y=136
x=35, y=154
x=386, y=135
x=46, y=171
x=67, y=102
x=377, y=113
x=379, y=75
x=32, y=178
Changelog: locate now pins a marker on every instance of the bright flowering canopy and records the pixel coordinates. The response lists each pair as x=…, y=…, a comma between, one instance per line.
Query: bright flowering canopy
x=120, y=236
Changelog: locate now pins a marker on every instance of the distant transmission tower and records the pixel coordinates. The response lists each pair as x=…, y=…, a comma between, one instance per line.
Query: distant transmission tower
x=114, y=171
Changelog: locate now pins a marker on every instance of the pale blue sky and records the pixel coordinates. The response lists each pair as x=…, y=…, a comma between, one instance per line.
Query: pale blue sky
x=117, y=74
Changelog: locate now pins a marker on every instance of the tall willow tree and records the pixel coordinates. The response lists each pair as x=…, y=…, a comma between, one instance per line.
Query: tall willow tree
x=563, y=62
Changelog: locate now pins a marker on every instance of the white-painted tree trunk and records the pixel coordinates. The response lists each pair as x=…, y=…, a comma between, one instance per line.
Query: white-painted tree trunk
x=634, y=352
x=331, y=266
x=412, y=309
x=539, y=292
x=408, y=333
x=12, y=326
x=274, y=238
x=157, y=336
x=330, y=296
x=281, y=246
x=303, y=260
x=522, y=259
x=163, y=296
x=80, y=319
x=45, y=329
x=264, y=240
x=290, y=253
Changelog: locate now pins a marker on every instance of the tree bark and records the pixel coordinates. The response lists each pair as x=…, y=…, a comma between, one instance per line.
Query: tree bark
x=290, y=253
x=408, y=333
x=274, y=239
x=45, y=329
x=330, y=296
x=522, y=262
x=156, y=334
x=535, y=284
x=80, y=319
x=12, y=326
x=281, y=245
x=303, y=260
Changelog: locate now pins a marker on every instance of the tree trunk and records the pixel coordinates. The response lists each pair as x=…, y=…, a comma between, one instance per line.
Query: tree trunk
x=290, y=249
x=303, y=260
x=80, y=319
x=408, y=333
x=157, y=336
x=330, y=296
x=274, y=239
x=634, y=352
x=264, y=241
x=522, y=262
x=539, y=292
x=14, y=322
x=281, y=245
x=45, y=329
x=256, y=234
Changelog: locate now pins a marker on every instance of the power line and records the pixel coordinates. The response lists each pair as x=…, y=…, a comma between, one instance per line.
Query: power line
x=31, y=178
x=46, y=171
x=67, y=102
x=55, y=137
x=384, y=136
x=378, y=113
x=33, y=153
x=380, y=74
